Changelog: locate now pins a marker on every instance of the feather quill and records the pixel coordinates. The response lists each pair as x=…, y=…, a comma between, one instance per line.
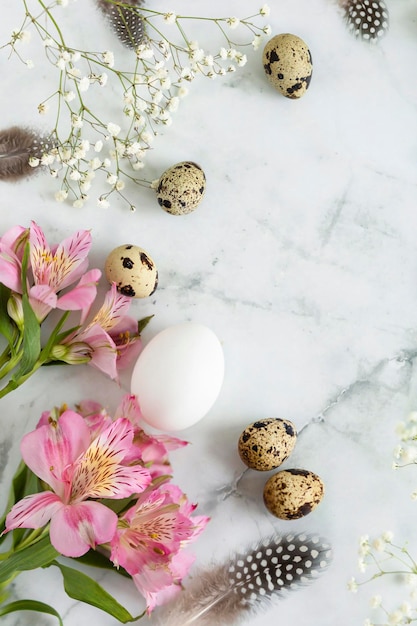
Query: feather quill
x=231, y=591
x=17, y=145
x=125, y=21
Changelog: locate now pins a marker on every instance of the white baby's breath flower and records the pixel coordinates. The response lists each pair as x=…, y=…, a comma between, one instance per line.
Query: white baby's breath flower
x=352, y=585
x=108, y=58
x=95, y=163
x=75, y=175
x=78, y=204
x=120, y=185
x=182, y=92
x=375, y=601
x=388, y=536
x=113, y=129
x=103, y=203
x=61, y=195
x=48, y=42
x=74, y=72
x=172, y=104
x=33, y=162
x=256, y=42
x=267, y=30
x=75, y=56
x=62, y=3
x=241, y=59
x=43, y=108
x=76, y=121
x=395, y=618
x=138, y=165
x=264, y=10
x=85, y=185
x=30, y=64
x=111, y=179
x=231, y=68
x=84, y=84
x=102, y=79
x=53, y=173
x=144, y=52
x=47, y=159
x=69, y=96
x=170, y=17
x=98, y=146
x=233, y=22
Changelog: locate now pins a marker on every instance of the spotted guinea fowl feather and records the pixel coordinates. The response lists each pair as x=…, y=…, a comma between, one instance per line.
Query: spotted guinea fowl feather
x=125, y=21
x=228, y=592
x=17, y=145
x=368, y=19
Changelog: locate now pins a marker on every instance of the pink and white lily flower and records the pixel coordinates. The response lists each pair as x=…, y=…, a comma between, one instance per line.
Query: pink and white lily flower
x=53, y=270
x=150, y=538
x=109, y=335
x=79, y=472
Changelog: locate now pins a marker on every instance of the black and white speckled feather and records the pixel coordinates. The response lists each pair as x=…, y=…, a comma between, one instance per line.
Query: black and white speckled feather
x=368, y=19
x=17, y=145
x=125, y=21
x=228, y=592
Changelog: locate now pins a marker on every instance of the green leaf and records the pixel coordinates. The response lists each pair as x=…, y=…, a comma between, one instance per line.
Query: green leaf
x=31, y=340
x=81, y=587
x=30, y=605
x=7, y=326
x=143, y=323
x=39, y=554
x=93, y=558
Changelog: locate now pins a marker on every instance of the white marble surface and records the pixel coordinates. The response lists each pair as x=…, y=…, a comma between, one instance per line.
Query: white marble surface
x=302, y=258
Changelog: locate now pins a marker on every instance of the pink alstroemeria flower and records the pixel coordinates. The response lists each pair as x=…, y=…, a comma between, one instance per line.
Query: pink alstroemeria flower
x=153, y=449
x=53, y=270
x=78, y=471
x=149, y=540
x=107, y=335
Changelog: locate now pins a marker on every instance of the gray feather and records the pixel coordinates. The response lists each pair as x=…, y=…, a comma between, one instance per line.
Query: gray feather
x=126, y=21
x=17, y=145
x=228, y=592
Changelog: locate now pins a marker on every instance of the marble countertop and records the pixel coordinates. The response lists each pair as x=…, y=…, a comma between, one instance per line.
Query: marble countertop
x=302, y=258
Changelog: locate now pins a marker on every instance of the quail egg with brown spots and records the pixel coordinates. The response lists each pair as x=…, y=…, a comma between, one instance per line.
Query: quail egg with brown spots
x=181, y=188
x=293, y=493
x=288, y=64
x=133, y=271
x=265, y=444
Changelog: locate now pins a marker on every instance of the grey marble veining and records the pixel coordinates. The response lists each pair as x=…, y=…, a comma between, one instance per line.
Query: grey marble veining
x=302, y=258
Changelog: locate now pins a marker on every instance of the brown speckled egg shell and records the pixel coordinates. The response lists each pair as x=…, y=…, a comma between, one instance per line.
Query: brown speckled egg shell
x=133, y=271
x=181, y=188
x=265, y=444
x=288, y=64
x=293, y=493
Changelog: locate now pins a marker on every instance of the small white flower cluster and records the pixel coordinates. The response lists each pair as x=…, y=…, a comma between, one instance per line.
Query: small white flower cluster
x=148, y=94
x=388, y=559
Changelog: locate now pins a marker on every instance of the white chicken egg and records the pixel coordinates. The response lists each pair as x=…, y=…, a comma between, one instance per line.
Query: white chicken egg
x=178, y=376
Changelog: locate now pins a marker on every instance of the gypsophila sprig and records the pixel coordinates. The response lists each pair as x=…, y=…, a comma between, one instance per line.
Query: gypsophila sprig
x=380, y=556
x=143, y=89
x=405, y=453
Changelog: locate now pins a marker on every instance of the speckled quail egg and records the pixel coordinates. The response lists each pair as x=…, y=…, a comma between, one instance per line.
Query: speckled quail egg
x=265, y=444
x=181, y=188
x=293, y=493
x=133, y=271
x=288, y=64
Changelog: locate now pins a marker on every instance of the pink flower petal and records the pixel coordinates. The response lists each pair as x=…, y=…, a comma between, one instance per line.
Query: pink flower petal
x=78, y=527
x=103, y=349
x=10, y=269
x=49, y=449
x=99, y=472
x=33, y=511
x=71, y=255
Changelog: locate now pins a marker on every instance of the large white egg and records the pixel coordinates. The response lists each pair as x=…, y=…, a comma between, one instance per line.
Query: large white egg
x=178, y=376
